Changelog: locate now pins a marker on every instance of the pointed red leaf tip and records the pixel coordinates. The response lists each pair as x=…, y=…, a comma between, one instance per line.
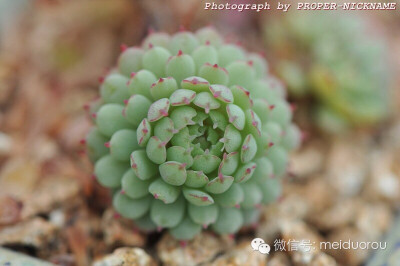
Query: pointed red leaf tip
x=182, y=166
x=183, y=243
x=126, y=101
x=94, y=115
x=186, y=100
x=150, y=45
x=217, y=93
x=208, y=42
x=93, y=177
x=163, y=112
x=159, y=229
x=205, y=226
x=82, y=141
x=123, y=47
x=182, y=28
x=86, y=107
x=107, y=144
x=155, y=195
x=101, y=79
x=161, y=80
x=250, y=62
x=270, y=144
x=122, y=192
x=162, y=144
x=180, y=53
x=271, y=107
x=237, y=206
x=133, y=74
x=205, y=198
x=117, y=215
x=221, y=177
x=215, y=65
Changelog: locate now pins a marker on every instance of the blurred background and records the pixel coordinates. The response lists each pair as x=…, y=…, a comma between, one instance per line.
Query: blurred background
x=342, y=76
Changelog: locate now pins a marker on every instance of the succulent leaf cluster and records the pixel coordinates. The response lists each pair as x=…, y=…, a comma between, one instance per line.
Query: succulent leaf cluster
x=333, y=57
x=191, y=132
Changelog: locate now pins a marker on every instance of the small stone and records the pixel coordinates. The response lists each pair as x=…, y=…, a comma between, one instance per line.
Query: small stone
x=51, y=193
x=279, y=259
x=36, y=232
x=373, y=220
x=126, y=256
x=5, y=144
x=322, y=259
x=348, y=256
x=347, y=165
x=201, y=249
x=307, y=161
x=10, y=210
x=296, y=232
x=319, y=194
x=8, y=257
x=120, y=231
x=384, y=180
x=342, y=213
x=241, y=255
x=18, y=177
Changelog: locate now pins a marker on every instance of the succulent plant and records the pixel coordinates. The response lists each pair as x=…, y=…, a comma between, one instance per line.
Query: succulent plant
x=191, y=132
x=328, y=56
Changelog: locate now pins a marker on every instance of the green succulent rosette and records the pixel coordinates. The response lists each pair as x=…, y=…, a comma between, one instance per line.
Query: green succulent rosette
x=191, y=132
x=333, y=57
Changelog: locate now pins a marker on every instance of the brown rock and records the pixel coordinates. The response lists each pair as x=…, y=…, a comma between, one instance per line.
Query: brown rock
x=201, y=249
x=290, y=207
x=49, y=194
x=319, y=194
x=5, y=144
x=241, y=255
x=373, y=220
x=341, y=214
x=10, y=210
x=308, y=160
x=322, y=259
x=279, y=259
x=126, y=256
x=384, y=183
x=18, y=177
x=348, y=257
x=302, y=242
x=35, y=232
x=347, y=165
x=120, y=231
